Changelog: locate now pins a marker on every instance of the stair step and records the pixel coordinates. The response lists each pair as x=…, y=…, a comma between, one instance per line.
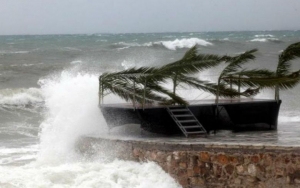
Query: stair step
x=183, y=115
x=189, y=127
x=194, y=127
x=178, y=110
x=186, y=121
x=196, y=132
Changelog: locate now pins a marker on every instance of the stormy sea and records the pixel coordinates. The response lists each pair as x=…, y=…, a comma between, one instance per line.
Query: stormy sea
x=49, y=100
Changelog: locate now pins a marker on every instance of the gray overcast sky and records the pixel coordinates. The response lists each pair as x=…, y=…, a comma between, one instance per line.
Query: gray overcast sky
x=127, y=16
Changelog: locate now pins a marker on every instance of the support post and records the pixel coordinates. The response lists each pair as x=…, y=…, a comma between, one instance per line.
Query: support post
x=133, y=94
x=144, y=96
x=100, y=91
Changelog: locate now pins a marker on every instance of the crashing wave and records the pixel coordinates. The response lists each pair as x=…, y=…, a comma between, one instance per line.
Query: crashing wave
x=184, y=43
x=267, y=35
x=265, y=40
x=171, y=45
x=20, y=97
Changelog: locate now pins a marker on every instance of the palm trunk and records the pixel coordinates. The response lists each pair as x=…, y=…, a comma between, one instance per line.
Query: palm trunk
x=133, y=101
x=218, y=91
x=174, y=84
x=239, y=86
x=144, y=96
x=277, y=93
x=100, y=93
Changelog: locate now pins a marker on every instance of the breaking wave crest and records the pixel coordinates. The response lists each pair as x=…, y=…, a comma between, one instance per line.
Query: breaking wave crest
x=171, y=45
x=21, y=97
x=265, y=40
x=116, y=174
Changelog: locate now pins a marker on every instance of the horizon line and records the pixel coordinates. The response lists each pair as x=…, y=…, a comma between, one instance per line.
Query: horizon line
x=116, y=33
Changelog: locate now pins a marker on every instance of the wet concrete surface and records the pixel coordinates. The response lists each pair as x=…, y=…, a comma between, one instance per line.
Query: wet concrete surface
x=288, y=134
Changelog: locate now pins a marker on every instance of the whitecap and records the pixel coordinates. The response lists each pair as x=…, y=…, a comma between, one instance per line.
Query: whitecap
x=75, y=62
x=21, y=97
x=267, y=35
x=265, y=40
x=184, y=43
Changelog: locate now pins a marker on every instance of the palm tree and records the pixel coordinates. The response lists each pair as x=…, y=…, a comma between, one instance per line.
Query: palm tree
x=143, y=84
x=232, y=71
x=283, y=67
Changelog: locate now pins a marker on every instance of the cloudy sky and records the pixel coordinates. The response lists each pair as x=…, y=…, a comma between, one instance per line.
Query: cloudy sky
x=130, y=16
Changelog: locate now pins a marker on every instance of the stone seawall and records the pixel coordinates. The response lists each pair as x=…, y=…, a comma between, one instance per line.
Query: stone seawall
x=209, y=165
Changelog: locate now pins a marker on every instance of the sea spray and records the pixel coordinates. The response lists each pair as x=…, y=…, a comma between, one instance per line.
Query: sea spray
x=72, y=102
x=116, y=174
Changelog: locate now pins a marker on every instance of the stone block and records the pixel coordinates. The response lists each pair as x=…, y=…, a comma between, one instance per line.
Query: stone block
x=204, y=157
x=233, y=160
x=222, y=159
x=217, y=169
x=255, y=159
x=190, y=172
x=229, y=169
x=196, y=181
x=237, y=181
x=240, y=169
x=153, y=156
x=182, y=165
x=297, y=181
x=252, y=170
x=279, y=172
x=193, y=161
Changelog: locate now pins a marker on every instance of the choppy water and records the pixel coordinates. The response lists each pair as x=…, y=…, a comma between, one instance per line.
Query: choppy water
x=48, y=100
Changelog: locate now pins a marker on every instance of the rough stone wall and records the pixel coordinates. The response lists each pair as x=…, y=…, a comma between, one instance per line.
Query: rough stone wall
x=222, y=169
x=194, y=165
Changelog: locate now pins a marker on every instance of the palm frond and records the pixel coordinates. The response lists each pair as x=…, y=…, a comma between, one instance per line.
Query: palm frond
x=209, y=87
x=283, y=82
x=236, y=62
x=290, y=53
x=191, y=63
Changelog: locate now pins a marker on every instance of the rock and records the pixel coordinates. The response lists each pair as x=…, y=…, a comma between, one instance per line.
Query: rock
x=153, y=155
x=222, y=159
x=229, y=169
x=237, y=181
x=196, y=181
x=251, y=179
x=255, y=159
x=182, y=165
x=204, y=157
x=240, y=169
x=252, y=170
x=297, y=181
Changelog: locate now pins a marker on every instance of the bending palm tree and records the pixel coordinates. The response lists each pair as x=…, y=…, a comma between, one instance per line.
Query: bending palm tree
x=284, y=64
x=142, y=84
x=230, y=72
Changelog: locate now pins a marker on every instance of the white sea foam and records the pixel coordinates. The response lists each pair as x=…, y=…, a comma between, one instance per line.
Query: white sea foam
x=264, y=40
x=128, y=64
x=14, y=52
x=73, y=112
x=267, y=35
x=172, y=45
x=116, y=174
x=75, y=62
x=184, y=43
x=71, y=101
x=20, y=97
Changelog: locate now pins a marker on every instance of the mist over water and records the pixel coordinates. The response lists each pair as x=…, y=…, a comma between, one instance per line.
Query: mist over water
x=49, y=100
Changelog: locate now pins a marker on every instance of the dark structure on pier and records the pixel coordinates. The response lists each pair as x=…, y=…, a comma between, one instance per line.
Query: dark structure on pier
x=230, y=115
